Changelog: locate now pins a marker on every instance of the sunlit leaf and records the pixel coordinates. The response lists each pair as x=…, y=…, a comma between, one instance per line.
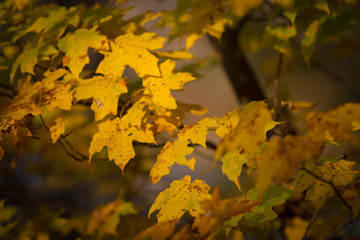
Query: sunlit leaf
x=159, y=87
x=57, y=129
x=182, y=195
x=255, y=120
x=104, y=91
x=118, y=136
x=77, y=57
x=132, y=50
x=233, y=162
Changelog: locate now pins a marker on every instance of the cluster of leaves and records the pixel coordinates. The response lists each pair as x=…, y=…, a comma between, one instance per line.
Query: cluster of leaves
x=61, y=63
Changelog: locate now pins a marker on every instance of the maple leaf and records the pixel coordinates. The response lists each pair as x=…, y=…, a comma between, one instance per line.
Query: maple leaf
x=105, y=219
x=159, y=87
x=104, y=91
x=159, y=231
x=171, y=153
x=29, y=57
x=217, y=211
x=77, y=57
x=132, y=50
x=54, y=25
x=182, y=195
x=118, y=136
x=339, y=173
x=175, y=152
x=57, y=129
x=281, y=158
x=227, y=123
x=195, y=18
x=233, y=162
x=274, y=196
x=250, y=133
x=338, y=123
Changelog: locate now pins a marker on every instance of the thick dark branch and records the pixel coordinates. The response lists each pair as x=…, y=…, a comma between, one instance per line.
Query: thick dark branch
x=236, y=65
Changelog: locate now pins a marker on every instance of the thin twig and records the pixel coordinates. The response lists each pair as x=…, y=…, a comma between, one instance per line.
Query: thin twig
x=316, y=215
x=331, y=235
x=337, y=192
x=209, y=170
x=62, y=144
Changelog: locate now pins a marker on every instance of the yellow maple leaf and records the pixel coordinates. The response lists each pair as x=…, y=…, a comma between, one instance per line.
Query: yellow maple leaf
x=132, y=50
x=60, y=96
x=171, y=153
x=118, y=136
x=194, y=19
x=159, y=231
x=250, y=133
x=241, y=8
x=233, y=162
x=281, y=158
x=159, y=87
x=76, y=45
x=296, y=228
x=182, y=195
x=197, y=132
x=337, y=123
x=227, y=123
x=104, y=219
x=57, y=129
x=217, y=211
x=104, y=91
x=176, y=151
x=339, y=173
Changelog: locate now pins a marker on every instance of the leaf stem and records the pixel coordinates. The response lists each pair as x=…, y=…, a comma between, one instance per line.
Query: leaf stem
x=209, y=170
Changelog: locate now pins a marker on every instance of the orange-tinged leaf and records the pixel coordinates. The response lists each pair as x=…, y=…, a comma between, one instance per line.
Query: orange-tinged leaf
x=159, y=87
x=171, y=153
x=250, y=132
x=57, y=129
x=182, y=195
x=104, y=91
x=118, y=136
x=159, y=231
x=104, y=219
x=132, y=50
x=233, y=162
x=76, y=45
